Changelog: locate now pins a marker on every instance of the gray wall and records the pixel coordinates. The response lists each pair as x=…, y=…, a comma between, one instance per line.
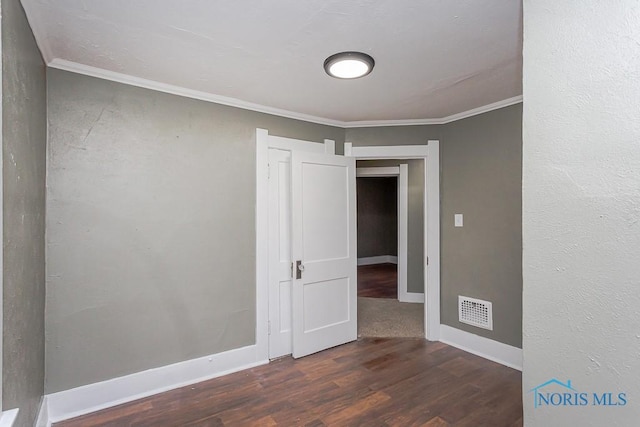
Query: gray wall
x=481, y=165
x=151, y=227
x=581, y=207
x=481, y=177
x=415, y=220
x=377, y=216
x=23, y=175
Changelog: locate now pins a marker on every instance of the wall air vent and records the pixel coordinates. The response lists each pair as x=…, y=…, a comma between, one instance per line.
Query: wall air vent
x=475, y=312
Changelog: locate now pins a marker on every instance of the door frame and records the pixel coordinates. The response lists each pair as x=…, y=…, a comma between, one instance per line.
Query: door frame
x=430, y=153
x=401, y=172
x=264, y=142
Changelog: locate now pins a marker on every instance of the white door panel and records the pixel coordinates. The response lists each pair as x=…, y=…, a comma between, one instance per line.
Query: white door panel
x=279, y=253
x=283, y=327
x=324, y=291
x=282, y=164
x=325, y=225
x=317, y=316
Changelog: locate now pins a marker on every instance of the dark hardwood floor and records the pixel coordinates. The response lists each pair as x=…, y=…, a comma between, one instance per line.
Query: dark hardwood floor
x=371, y=382
x=378, y=281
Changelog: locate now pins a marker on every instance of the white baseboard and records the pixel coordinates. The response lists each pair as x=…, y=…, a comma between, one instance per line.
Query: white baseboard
x=43, y=414
x=411, y=297
x=93, y=397
x=7, y=418
x=382, y=259
x=484, y=347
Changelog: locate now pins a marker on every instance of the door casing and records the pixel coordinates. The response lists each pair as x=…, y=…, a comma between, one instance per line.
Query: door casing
x=430, y=153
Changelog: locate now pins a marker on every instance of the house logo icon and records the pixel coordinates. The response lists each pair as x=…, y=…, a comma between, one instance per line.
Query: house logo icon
x=540, y=398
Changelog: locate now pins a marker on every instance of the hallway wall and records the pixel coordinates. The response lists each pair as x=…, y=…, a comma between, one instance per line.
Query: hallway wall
x=377, y=216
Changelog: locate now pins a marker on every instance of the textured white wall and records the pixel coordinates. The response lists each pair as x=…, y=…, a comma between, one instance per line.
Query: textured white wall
x=581, y=206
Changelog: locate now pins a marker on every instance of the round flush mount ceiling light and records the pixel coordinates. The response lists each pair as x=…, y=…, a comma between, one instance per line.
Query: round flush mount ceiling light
x=349, y=65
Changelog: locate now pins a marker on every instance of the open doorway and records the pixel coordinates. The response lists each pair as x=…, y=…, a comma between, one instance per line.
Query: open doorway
x=377, y=200
x=382, y=230
x=430, y=154
x=386, y=308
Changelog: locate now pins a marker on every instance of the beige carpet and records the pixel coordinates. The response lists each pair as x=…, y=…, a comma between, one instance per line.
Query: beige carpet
x=381, y=317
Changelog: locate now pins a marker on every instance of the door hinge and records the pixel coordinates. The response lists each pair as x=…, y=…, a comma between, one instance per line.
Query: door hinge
x=427, y=260
x=269, y=327
x=292, y=270
x=268, y=170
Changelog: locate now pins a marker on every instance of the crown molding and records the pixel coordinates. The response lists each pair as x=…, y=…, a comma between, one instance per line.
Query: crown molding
x=74, y=67
x=384, y=123
x=441, y=121
x=480, y=110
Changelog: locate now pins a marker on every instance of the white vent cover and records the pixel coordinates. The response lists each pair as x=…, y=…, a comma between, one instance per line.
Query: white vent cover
x=475, y=312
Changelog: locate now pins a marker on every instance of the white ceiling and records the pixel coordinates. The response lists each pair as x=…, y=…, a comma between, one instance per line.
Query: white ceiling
x=434, y=58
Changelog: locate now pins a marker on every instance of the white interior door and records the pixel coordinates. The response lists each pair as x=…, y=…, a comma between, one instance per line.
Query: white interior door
x=324, y=292
x=280, y=271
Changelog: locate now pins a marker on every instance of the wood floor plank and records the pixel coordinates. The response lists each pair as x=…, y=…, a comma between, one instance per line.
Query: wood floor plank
x=437, y=422
x=460, y=366
x=370, y=382
x=378, y=281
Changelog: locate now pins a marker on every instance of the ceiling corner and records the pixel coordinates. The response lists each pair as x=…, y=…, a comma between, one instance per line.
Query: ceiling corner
x=38, y=31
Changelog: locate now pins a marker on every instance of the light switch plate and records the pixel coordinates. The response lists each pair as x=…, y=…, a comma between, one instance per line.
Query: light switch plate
x=457, y=219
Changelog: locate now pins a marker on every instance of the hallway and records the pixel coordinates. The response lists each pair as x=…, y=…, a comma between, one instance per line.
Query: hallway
x=380, y=314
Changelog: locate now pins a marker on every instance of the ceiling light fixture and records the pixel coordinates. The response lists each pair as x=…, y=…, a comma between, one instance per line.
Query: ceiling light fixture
x=349, y=65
